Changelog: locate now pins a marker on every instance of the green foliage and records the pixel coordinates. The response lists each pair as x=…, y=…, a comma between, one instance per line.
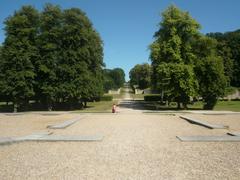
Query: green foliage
x=113, y=78
x=55, y=56
x=172, y=55
x=140, y=75
x=152, y=97
x=49, y=45
x=230, y=91
x=209, y=70
x=229, y=49
x=118, y=77
x=185, y=63
x=18, y=54
x=180, y=81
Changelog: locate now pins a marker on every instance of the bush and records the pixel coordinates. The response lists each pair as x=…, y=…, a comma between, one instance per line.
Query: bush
x=230, y=90
x=154, y=97
x=106, y=98
x=236, y=99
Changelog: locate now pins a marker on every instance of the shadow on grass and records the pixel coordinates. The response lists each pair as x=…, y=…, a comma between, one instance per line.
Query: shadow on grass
x=40, y=107
x=150, y=105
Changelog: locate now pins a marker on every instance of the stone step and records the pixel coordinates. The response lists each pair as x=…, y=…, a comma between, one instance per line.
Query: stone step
x=209, y=138
x=67, y=138
x=64, y=124
x=203, y=123
x=234, y=133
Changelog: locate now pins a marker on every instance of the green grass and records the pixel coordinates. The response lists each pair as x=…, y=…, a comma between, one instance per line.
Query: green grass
x=220, y=106
x=101, y=106
x=228, y=106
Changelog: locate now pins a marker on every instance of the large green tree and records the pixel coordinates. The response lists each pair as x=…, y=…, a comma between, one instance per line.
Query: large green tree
x=18, y=55
x=172, y=53
x=209, y=70
x=55, y=56
x=81, y=61
x=140, y=75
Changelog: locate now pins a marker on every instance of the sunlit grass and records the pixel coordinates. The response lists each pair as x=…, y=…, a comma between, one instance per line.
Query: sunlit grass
x=102, y=106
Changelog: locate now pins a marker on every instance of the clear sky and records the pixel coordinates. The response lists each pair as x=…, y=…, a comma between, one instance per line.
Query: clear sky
x=127, y=26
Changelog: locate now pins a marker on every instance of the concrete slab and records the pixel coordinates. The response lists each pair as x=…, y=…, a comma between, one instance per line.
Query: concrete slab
x=33, y=136
x=44, y=136
x=234, y=133
x=13, y=114
x=64, y=124
x=209, y=138
x=67, y=138
x=203, y=123
x=6, y=140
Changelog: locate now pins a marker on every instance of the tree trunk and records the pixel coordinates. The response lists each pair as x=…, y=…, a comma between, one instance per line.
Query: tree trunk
x=185, y=106
x=15, y=106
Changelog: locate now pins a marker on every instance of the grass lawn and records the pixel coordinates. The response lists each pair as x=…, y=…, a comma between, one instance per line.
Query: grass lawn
x=221, y=106
x=102, y=106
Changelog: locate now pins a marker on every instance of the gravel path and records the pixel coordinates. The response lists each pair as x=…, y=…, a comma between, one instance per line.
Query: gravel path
x=135, y=146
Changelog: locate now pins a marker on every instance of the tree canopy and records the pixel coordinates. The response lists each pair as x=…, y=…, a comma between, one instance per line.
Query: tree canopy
x=140, y=75
x=113, y=78
x=228, y=46
x=53, y=56
x=178, y=53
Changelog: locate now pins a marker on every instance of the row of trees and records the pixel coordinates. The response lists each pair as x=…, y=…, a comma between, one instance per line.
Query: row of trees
x=186, y=63
x=53, y=56
x=113, y=78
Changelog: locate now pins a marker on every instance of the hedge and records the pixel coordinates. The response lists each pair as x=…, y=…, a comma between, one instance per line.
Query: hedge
x=153, y=97
x=106, y=98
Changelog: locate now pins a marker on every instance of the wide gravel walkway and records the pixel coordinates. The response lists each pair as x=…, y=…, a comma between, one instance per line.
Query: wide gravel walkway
x=135, y=146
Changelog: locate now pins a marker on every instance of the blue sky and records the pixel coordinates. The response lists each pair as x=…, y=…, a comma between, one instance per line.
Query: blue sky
x=127, y=26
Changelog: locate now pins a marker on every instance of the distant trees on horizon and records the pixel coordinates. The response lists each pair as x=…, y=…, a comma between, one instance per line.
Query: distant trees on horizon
x=113, y=79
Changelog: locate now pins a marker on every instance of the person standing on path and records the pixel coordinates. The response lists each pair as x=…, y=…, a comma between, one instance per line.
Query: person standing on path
x=114, y=108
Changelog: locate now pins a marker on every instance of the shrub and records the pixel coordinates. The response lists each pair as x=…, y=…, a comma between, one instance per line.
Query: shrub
x=154, y=97
x=236, y=99
x=106, y=98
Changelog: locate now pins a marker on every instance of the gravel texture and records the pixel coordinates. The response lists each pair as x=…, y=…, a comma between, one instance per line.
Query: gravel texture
x=135, y=146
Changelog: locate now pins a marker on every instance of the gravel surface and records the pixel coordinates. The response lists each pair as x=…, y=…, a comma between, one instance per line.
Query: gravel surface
x=135, y=146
